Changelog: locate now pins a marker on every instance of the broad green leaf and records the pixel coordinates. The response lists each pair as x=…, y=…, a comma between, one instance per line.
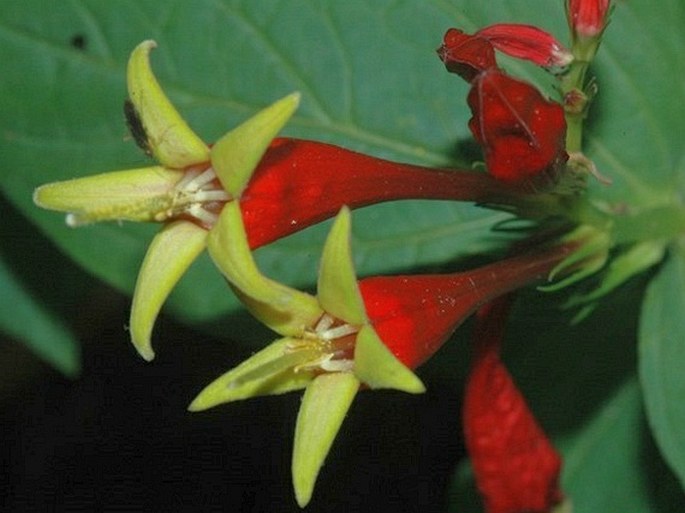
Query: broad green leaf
x=662, y=354
x=635, y=132
x=607, y=464
x=67, y=120
x=26, y=319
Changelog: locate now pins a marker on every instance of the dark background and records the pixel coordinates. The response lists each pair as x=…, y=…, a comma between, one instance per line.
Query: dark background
x=119, y=438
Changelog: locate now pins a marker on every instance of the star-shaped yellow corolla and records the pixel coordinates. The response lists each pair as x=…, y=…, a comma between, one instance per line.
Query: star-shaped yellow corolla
x=186, y=191
x=329, y=347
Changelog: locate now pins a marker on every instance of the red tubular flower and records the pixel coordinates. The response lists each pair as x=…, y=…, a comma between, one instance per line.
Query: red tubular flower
x=414, y=315
x=466, y=55
x=522, y=134
x=516, y=466
x=587, y=18
x=299, y=183
x=527, y=42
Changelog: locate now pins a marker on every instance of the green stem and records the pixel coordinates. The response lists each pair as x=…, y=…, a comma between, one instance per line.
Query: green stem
x=574, y=132
x=573, y=89
x=666, y=222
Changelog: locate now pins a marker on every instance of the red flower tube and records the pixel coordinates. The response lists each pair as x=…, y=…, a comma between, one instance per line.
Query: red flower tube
x=299, y=183
x=515, y=465
x=415, y=314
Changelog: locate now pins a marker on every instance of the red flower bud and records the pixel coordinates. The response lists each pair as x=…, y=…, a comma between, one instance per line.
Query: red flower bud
x=414, y=315
x=587, y=18
x=515, y=465
x=466, y=55
x=299, y=183
x=527, y=42
x=522, y=134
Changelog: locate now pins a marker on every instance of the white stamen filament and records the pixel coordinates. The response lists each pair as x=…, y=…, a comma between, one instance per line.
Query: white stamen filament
x=331, y=365
x=331, y=356
x=198, y=212
x=188, y=177
x=338, y=332
x=197, y=181
x=324, y=323
x=192, y=191
x=202, y=196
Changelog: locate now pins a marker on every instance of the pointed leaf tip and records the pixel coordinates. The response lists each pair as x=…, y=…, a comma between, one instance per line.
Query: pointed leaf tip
x=169, y=137
x=236, y=155
x=338, y=291
x=324, y=406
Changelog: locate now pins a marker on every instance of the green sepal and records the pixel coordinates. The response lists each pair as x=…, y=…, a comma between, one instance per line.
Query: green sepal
x=272, y=371
x=324, y=406
x=236, y=155
x=638, y=258
x=285, y=310
x=377, y=367
x=132, y=195
x=169, y=137
x=338, y=291
x=168, y=257
x=591, y=255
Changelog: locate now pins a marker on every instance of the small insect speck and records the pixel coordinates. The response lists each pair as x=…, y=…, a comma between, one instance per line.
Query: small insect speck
x=135, y=126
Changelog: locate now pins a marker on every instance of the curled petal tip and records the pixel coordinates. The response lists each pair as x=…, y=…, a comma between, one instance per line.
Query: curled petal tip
x=169, y=138
x=146, y=353
x=141, y=337
x=195, y=406
x=169, y=256
x=36, y=197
